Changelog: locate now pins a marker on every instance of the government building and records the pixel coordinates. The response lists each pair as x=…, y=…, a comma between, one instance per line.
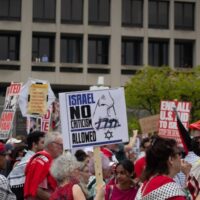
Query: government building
x=71, y=43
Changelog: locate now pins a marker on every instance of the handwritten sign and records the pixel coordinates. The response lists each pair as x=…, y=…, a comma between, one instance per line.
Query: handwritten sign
x=37, y=101
x=93, y=118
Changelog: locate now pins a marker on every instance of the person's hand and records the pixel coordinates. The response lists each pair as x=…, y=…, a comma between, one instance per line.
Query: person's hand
x=185, y=167
x=100, y=192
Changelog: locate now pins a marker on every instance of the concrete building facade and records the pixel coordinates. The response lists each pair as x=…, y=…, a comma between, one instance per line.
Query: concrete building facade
x=72, y=42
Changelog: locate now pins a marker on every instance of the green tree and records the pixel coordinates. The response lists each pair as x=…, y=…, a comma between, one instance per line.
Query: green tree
x=150, y=85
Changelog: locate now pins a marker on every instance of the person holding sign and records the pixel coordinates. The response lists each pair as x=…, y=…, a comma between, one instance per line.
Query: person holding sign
x=125, y=188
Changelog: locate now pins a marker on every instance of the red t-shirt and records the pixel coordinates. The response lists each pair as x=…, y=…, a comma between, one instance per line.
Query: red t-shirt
x=139, y=166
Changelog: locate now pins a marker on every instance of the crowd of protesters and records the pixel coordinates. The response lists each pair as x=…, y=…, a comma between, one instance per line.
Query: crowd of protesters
x=38, y=168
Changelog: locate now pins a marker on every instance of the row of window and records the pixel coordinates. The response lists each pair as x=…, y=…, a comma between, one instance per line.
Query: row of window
x=99, y=12
x=71, y=50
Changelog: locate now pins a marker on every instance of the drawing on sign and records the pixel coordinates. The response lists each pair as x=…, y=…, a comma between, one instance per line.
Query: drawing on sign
x=105, y=116
x=108, y=135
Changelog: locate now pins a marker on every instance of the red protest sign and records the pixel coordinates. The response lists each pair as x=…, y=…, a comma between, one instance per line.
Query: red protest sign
x=168, y=123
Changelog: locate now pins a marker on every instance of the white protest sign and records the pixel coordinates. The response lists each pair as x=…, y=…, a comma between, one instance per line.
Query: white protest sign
x=35, y=98
x=10, y=105
x=93, y=118
x=168, y=122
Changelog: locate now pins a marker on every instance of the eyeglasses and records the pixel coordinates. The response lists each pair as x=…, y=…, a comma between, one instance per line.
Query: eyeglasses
x=59, y=144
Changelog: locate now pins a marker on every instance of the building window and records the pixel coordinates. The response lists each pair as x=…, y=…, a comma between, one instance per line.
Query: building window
x=132, y=13
x=44, y=10
x=10, y=10
x=71, y=49
x=43, y=47
x=158, y=52
x=98, y=50
x=131, y=51
x=184, y=15
x=158, y=14
x=72, y=11
x=9, y=46
x=99, y=12
x=184, y=54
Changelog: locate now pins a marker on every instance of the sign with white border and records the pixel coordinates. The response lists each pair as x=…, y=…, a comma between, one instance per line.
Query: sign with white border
x=93, y=118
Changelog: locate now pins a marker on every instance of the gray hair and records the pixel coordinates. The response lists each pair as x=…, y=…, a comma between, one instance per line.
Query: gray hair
x=51, y=137
x=105, y=163
x=63, y=166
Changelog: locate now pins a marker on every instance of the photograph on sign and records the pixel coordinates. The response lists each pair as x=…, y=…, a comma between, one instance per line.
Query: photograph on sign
x=93, y=118
x=39, y=123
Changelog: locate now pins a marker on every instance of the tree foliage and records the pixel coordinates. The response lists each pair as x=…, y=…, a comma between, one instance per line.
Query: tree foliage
x=150, y=85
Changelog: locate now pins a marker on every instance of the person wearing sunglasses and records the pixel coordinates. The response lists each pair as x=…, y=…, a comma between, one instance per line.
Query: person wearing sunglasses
x=163, y=162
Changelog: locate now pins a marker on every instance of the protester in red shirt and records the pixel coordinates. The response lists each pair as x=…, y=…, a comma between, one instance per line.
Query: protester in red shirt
x=39, y=183
x=65, y=169
x=140, y=163
x=125, y=188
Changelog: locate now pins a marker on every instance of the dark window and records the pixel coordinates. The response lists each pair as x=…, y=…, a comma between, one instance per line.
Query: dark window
x=9, y=46
x=98, y=50
x=158, y=52
x=44, y=10
x=158, y=14
x=184, y=54
x=72, y=11
x=43, y=48
x=71, y=49
x=132, y=13
x=131, y=51
x=10, y=9
x=99, y=12
x=184, y=15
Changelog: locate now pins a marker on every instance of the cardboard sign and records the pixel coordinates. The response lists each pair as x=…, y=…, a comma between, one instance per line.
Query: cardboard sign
x=93, y=118
x=7, y=116
x=168, y=123
x=37, y=100
x=149, y=124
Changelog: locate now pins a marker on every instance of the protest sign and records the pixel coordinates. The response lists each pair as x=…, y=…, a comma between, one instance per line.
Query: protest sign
x=10, y=105
x=149, y=124
x=35, y=98
x=168, y=122
x=39, y=123
x=93, y=118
